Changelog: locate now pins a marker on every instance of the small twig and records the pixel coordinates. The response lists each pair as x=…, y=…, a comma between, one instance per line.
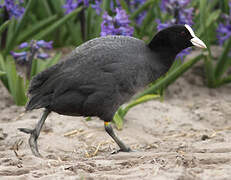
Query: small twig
x=16, y=146
x=156, y=170
x=19, y=116
x=97, y=149
x=72, y=133
x=86, y=153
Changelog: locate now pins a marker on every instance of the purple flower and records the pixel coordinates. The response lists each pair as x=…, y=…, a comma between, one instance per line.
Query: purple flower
x=181, y=15
x=44, y=44
x=117, y=25
x=141, y=17
x=35, y=50
x=71, y=5
x=23, y=45
x=97, y=7
x=167, y=5
x=114, y=4
x=179, y=10
x=133, y=5
x=224, y=28
x=43, y=56
x=14, y=8
x=20, y=57
x=184, y=53
x=121, y=17
x=161, y=25
x=223, y=32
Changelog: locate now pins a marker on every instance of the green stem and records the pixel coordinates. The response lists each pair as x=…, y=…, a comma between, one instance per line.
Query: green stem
x=57, y=24
x=19, y=25
x=142, y=8
x=4, y=26
x=2, y=73
x=209, y=72
x=170, y=77
x=138, y=101
x=223, y=62
x=223, y=81
x=83, y=24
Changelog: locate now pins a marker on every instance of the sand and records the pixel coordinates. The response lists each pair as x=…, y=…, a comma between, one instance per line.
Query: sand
x=185, y=137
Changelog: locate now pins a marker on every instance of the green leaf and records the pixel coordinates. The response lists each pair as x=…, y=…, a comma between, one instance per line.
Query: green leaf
x=16, y=83
x=40, y=65
x=89, y=18
x=140, y=100
x=2, y=73
x=4, y=26
x=170, y=77
x=106, y=5
x=54, y=60
x=122, y=111
x=88, y=119
x=142, y=8
x=10, y=44
x=124, y=5
x=47, y=7
x=209, y=71
x=56, y=5
x=212, y=5
x=11, y=77
x=2, y=63
x=212, y=18
x=31, y=31
x=34, y=68
x=3, y=68
x=74, y=33
x=57, y=24
x=10, y=32
x=223, y=62
x=176, y=64
x=223, y=81
x=148, y=20
x=118, y=120
x=21, y=98
x=203, y=13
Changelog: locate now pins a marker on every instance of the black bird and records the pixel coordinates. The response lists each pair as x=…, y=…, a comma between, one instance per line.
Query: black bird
x=102, y=74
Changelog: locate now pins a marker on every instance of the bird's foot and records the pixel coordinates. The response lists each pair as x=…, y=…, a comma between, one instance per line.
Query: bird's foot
x=26, y=130
x=32, y=140
x=127, y=149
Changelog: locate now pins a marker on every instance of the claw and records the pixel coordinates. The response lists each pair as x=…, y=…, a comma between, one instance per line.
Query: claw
x=33, y=145
x=128, y=149
x=32, y=140
x=34, y=133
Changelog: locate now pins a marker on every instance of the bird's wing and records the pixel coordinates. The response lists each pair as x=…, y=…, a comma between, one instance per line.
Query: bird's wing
x=97, y=65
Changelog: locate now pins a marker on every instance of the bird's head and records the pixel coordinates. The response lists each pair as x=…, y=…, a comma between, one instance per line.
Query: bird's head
x=177, y=38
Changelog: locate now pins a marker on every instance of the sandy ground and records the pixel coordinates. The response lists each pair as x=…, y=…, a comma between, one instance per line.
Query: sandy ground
x=186, y=137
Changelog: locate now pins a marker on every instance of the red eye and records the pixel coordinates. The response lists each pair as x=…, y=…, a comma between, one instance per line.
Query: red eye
x=182, y=33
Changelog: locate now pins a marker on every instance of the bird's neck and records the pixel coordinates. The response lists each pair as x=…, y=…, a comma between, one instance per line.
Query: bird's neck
x=165, y=52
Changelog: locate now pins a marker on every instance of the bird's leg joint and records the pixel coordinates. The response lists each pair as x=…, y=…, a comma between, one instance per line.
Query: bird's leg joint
x=108, y=128
x=29, y=131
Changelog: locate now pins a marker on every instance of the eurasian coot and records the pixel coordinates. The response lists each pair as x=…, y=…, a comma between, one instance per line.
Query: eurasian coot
x=102, y=74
